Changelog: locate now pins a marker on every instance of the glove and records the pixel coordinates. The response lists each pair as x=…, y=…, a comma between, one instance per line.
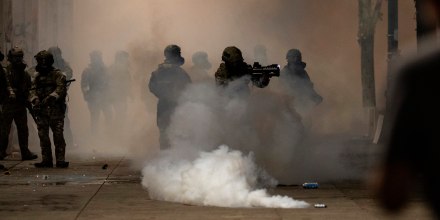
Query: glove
x=49, y=100
x=265, y=80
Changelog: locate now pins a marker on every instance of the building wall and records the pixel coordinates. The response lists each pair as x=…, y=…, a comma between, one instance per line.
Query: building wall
x=35, y=25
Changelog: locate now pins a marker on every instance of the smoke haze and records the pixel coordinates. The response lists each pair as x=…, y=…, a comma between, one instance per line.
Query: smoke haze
x=325, y=32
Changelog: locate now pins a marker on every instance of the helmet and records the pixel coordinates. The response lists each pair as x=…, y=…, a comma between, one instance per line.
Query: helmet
x=55, y=51
x=15, y=52
x=172, y=51
x=44, y=58
x=293, y=53
x=173, y=54
x=232, y=55
x=200, y=58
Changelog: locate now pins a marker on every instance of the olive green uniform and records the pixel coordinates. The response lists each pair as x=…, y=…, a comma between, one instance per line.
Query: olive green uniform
x=235, y=74
x=50, y=115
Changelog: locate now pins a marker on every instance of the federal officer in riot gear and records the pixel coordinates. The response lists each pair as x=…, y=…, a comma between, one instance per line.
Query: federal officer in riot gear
x=167, y=84
x=298, y=84
x=95, y=87
x=60, y=63
x=64, y=67
x=236, y=74
x=120, y=86
x=48, y=97
x=18, y=82
x=201, y=65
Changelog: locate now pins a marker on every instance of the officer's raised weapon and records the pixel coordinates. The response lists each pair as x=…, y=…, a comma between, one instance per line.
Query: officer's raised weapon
x=258, y=71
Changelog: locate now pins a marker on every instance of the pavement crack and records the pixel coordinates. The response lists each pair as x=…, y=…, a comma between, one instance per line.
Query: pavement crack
x=100, y=187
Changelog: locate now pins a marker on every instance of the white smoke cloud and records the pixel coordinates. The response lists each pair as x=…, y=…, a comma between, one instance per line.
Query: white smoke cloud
x=223, y=177
x=207, y=116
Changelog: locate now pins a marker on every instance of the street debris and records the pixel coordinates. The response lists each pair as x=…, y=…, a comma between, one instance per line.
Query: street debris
x=310, y=185
x=320, y=205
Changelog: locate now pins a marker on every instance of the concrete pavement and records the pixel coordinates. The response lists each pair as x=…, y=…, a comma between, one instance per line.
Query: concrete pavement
x=88, y=191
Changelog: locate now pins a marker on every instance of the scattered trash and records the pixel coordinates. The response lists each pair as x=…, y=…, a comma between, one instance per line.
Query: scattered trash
x=320, y=205
x=7, y=173
x=310, y=185
x=105, y=166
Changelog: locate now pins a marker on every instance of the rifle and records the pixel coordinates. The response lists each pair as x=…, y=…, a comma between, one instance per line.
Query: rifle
x=68, y=82
x=258, y=71
x=34, y=110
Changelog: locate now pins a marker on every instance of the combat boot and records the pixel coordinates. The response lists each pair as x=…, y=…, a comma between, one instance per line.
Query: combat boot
x=62, y=164
x=29, y=156
x=44, y=164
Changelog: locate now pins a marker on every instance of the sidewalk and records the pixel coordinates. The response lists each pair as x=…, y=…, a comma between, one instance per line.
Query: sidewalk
x=89, y=190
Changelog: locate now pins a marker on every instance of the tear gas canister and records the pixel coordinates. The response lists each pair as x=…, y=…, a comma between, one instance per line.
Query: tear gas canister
x=310, y=185
x=320, y=205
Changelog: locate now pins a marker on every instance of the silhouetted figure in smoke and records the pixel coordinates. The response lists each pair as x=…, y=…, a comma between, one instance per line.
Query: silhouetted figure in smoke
x=413, y=149
x=18, y=83
x=235, y=74
x=201, y=65
x=3, y=94
x=260, y=54
x=48, y=98
x=60, y=63
x=95, y=88
x=64, y=67
x=120, y=86
x=167, y=84
x=297, y=82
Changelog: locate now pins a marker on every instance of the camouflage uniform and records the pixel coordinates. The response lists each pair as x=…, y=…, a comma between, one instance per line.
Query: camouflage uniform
x=64, y=67
x=95, y=87
x=18, y=82
x=49, y=86
x=298, y=83
x=235, y=73
x=167, y=84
